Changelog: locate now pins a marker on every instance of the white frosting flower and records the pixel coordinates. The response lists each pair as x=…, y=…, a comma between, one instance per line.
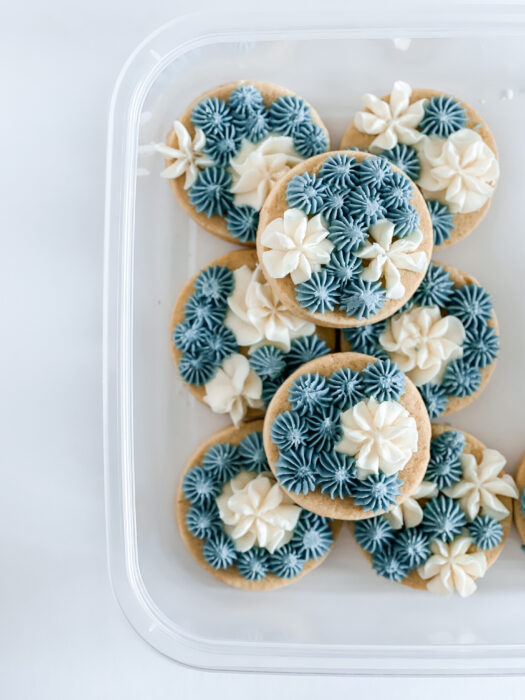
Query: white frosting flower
x=189, y=156
x=256, y=316
x=481, y=484
x=257, y=512
x=410, y=513
x=462, y=167
x=422, y=342
x=381, y=436
x=450, y=567
x=257, y=167
x=234, y=389
x=298, y=246
x=394, y=121
x=387, y=258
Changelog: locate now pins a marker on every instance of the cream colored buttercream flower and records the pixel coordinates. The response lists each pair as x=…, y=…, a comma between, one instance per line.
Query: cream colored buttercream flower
x=234, y=389
x=393, y=120
x=257, y=167
x=381, y=436
x=256, y=316
x=422, y=342
x=257, y=512
x=461, y=167
x=481, y=484
x=451, y=568
x=298, y=246
x=387, y=258
x=189, y=156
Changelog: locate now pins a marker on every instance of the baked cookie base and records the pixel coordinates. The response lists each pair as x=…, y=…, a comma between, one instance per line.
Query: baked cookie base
x=233, y=260
x=474, y=447
x=456, y=403
x=463, y=223
x=412, y=474
x=274, y=208
x=231, y=576
x=217, y=224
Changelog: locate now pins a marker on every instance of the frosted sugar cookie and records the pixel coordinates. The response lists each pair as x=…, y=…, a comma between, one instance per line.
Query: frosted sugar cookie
x=234, y=342
x=442, y=144
x=348, y=436
x=230, y=146
x=344, y=239
x=445, y=537
x=238, y=523
x=445, y=338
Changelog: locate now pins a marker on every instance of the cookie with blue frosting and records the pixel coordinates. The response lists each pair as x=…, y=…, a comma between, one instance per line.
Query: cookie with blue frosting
x=452, y=529
x=234, y=342
x=440, y=142
x=344, y=239
x=347, y=436
x=230, y=146
x=237, y=522
x=446, y=339
x=519, y=504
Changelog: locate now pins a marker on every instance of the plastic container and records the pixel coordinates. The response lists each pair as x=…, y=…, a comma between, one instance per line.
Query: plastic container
x=341, y=618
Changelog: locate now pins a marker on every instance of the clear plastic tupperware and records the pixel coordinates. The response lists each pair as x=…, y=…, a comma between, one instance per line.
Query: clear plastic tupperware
x=341, y=618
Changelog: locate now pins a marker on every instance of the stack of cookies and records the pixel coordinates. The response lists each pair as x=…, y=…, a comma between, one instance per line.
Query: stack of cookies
x=332, y=338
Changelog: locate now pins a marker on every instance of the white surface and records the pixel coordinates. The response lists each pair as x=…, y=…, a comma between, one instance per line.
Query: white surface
x=61, y=632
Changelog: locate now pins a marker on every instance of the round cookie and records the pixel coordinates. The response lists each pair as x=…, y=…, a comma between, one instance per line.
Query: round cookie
x=344, y=239
x=202, y=319
x=230, y=146
x=316, y=409
x=519, y=504
x=242, y=450
x=444, y=503
x=467, y=376
x=433, y=121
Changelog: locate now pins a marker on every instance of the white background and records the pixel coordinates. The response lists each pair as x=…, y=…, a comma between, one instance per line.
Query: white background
x=62, y=634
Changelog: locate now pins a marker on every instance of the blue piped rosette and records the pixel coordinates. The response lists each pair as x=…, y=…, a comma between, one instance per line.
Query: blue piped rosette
x=201, y=341
x=305, y=424
x=228, y=453
x=396, y=552
x=245, y=113
x=519, y=504
x=459, y=295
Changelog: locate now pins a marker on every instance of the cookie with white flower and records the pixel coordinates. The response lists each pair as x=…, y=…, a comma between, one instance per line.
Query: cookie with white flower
x=519, y=505
x=238, y=523
x=440, y=142
x=230, y=146
x=348, y=436
x=344, y=239
x=234, y=342
x=445, y=537
x=445, y=338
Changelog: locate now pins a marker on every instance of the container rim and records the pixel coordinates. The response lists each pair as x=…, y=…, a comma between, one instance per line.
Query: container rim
x=168, y=43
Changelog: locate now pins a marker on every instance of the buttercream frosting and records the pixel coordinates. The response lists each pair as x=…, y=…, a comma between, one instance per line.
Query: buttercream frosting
x=257, y=167
x=381, y=436
x=481, y=484
x=189, y=156
x=256, y=316
x=452, y=568
x=461, y=167
x=257, y=512
x=410, y=512
x=298, y=246
x=387, y=258
x=234, y=389
x=393, y=120
x=422, y=342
